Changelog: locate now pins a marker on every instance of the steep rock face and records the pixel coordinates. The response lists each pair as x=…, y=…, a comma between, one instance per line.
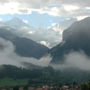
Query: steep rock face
x=76, y=37
x=24, y=47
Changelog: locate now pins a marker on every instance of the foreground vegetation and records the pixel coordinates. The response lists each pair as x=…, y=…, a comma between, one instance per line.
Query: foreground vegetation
x=11, y=76
x=9, y=82
x=85, y=86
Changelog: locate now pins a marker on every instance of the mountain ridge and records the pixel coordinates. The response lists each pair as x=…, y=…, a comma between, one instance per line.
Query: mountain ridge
x=75, y=38
x=24, y=47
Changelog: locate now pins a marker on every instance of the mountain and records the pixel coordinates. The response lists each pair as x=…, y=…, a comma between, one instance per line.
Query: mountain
x=24, y=47
x=38, y=35
x=75, y=38
x=46, y=36
x=16, y=23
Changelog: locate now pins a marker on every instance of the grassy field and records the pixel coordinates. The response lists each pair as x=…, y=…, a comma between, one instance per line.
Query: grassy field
x=9, y=82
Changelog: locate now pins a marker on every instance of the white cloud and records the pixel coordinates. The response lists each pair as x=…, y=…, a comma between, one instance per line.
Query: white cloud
x=70, y=7
x=77, y=60
x=64, y=8
x=88, y=8
x=1, y=19
x=57, y=28
x=9, y=57
x=81, y=3
x=31, y=32
x=25, y=21
x=54, y=11
x=10, y=8
x=81, y=17
x=45, y=43
x=47, y=37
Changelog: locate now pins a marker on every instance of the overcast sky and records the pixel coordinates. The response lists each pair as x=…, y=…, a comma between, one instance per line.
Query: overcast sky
x=45, y=14
x=53, y=10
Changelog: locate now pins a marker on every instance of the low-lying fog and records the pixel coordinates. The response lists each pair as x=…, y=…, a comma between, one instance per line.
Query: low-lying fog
x=9, y=57
x=73, y=60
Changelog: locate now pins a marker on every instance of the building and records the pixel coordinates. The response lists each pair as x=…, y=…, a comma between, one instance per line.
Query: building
x=39, y=89
x=46, y=87
x=65, y=87
x=31, y=88
x=20, y=88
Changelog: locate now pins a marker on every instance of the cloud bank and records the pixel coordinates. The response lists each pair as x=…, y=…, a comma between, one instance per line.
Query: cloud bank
x=62, y=8
x=74, y=60
x=9, y=57
x=78, y=60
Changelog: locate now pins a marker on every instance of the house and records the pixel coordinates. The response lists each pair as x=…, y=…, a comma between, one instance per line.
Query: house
x=65, y=87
